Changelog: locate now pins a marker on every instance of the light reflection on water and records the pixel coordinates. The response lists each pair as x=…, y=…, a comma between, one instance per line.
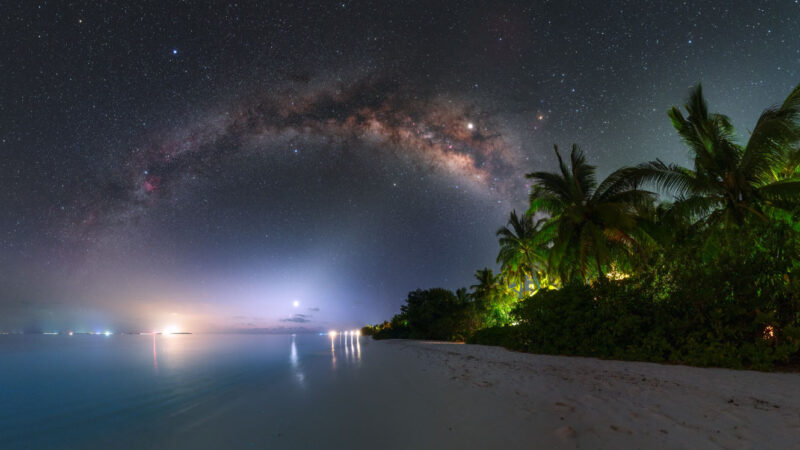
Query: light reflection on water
x=333, y=351
x=155, y=355
x=350, y=343
x=56, y=389
x=298, y=372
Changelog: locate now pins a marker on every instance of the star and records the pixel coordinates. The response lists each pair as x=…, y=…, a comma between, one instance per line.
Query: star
x=470, y=126
x=174, y=51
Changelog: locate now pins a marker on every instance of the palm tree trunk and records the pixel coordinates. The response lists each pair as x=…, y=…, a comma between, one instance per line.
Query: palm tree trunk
x=600, y=274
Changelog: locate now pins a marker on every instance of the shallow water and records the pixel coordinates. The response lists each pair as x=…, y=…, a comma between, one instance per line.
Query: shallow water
x=144, y=391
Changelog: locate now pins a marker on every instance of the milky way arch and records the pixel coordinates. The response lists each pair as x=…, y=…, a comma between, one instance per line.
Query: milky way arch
x=448, y=137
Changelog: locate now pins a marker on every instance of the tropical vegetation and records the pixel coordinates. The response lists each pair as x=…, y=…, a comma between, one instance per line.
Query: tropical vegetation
x=657, y=262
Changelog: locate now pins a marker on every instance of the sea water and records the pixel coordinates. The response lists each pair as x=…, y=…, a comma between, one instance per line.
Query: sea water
x=169, y=391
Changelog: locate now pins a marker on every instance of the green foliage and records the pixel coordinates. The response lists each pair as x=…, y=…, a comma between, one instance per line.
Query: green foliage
x=524, y=246
x=493, y=299
x=736, y=305
x=593, y=223
x=729, y=182
x=710, y=279
x=370, y=330
x=440, y=315
x=437, y=314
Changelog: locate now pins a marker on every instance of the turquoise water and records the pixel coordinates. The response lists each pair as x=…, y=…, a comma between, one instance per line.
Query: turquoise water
x=143, y=391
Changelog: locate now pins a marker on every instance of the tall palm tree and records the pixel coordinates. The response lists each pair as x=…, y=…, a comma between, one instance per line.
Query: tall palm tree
x=730, y=182
x=594, y=223
x=524, y=245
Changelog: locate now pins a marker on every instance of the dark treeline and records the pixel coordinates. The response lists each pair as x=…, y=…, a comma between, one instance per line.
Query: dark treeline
x=607, y=268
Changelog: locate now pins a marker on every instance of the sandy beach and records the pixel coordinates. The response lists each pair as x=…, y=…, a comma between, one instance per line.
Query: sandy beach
x=313, y=392
x=425, y=395
x=540, y=401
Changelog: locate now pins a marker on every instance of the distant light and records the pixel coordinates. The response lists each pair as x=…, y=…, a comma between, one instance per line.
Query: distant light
x=107, y=333
x=295, y=303
x=171, y=329
x=174, y=51
x=332, y=333
x=470, y=126
x=358, y=332
x=70, y=333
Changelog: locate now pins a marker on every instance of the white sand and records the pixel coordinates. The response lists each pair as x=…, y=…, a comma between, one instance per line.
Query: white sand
x=552, y=401
x=418, y=395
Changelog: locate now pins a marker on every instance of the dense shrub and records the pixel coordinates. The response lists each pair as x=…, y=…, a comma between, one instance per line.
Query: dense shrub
x=504, y=336
x=437, y=314
x=396, y=329
x=734, y=303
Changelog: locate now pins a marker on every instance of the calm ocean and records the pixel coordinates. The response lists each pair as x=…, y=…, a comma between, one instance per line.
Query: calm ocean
x=165, y=391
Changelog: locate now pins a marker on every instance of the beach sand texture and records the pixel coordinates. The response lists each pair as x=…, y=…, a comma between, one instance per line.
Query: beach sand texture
x=426, y=395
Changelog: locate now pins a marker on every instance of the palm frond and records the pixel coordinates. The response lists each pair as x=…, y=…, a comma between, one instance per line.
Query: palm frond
x=667, y=177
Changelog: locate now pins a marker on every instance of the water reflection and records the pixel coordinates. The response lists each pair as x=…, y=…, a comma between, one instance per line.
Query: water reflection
x=332, y=335
x=293, y=354
x=350, y=341
x=295, y=362
x=155, y=355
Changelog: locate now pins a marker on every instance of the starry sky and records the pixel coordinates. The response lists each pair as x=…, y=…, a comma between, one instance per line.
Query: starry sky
x=268, y=165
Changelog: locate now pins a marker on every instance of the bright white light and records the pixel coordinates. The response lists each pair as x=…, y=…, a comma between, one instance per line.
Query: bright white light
x=171, y=329
x=70, y=333
x=296, y=303
x=358, y=332
x=107, y=333
x=332, y=333
x=470, y=126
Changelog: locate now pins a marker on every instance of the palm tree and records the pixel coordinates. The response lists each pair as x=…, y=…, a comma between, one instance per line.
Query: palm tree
x=488, y=283
x=524, y=245
x=730, y=182
x=593, y=223
x=493, y=297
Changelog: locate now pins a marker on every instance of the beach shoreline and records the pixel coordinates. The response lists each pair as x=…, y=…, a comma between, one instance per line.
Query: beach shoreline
x=358, y=393
x=593, y=403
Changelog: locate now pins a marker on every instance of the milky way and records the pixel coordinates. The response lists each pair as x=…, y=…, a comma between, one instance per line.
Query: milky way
x=216, y=164
x=445, y=136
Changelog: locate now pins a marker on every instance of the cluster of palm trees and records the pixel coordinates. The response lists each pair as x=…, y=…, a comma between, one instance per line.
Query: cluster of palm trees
x=577, y=228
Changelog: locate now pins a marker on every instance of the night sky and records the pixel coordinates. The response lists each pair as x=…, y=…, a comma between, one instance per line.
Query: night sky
x=209, y=165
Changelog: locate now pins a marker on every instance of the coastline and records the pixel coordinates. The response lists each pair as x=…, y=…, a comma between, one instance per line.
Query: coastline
x=594, y=403
x=402, y=394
